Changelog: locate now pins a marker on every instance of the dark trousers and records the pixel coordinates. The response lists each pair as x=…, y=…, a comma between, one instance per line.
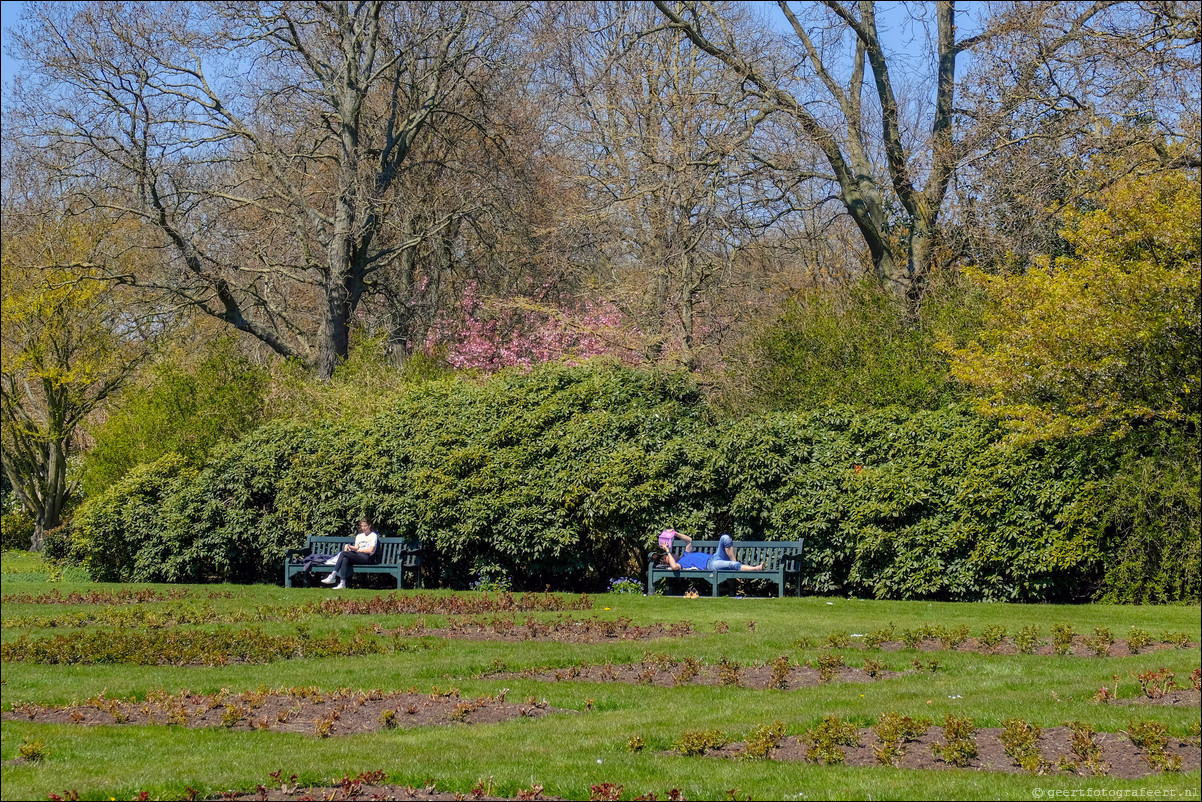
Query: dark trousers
x=347, y=560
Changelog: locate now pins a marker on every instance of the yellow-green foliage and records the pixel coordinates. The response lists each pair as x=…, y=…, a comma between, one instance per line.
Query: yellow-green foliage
x=187, y=402
x=69, y=341
x=857, y=346
x=1103, y=339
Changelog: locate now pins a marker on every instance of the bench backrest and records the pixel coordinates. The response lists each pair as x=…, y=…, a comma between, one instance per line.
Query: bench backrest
x=772, y=553
x=389, y=550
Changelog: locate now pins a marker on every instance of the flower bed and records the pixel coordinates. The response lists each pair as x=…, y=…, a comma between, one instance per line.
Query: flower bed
x=302, y=710
x=1073, y=749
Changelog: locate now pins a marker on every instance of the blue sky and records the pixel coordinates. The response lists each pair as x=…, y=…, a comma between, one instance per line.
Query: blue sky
x=10, y=14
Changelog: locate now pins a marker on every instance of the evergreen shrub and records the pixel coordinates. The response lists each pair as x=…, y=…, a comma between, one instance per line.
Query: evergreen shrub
x=16, y=530
x=562, y=476
x=1153, y=516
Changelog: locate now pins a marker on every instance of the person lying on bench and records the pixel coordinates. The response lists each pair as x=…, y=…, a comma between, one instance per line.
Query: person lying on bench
x=361, y=552
x=723, y=560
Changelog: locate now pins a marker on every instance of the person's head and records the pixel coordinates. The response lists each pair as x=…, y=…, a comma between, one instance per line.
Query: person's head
x=364, y=526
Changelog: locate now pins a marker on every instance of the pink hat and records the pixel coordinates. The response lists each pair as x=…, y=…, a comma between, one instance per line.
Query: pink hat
x=666, y=537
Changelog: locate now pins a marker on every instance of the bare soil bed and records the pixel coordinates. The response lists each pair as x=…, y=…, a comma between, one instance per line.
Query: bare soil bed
x=564, y=629
x=301, y=710
x=356, y=788
x=1119, y=757
x=762, y=677
x=1080, y=647
x=1188, y=697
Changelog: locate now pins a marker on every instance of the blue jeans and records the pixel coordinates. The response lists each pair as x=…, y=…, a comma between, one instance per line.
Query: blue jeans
x=719, y=561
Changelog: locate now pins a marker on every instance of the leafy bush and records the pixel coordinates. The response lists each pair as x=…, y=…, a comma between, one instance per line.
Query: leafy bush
x=822, y=743
x=562, y=475
x=697, y=742
x=856, y=346
x=56, y=545
x=16, y=531
x=1153, y=514
x=548, y=476
x=959, y=744
x=894, y=504
x=128, y=533
x=177, y=407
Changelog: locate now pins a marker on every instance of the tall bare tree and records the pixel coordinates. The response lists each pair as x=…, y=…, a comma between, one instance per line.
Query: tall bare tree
x=893, y=145
x=265, y=144
x=661, y=139
x=1050, y=125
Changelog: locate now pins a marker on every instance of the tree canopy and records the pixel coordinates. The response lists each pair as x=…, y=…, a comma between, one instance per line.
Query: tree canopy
x=69, y=342
x=1107, y=338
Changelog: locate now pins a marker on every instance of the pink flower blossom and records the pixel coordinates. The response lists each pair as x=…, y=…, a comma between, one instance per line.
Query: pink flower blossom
x=514, y=332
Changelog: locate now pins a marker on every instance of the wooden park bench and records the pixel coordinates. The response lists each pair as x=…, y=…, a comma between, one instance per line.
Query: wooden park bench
x=394, y=555
x=781, y=558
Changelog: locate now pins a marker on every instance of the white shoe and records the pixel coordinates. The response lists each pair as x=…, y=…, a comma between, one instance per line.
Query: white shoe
x=330, y=580
x=331, y=561
x=339, y=586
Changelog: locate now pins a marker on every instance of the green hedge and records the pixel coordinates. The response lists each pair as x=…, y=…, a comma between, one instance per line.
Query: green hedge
x=563, y=475
x=16, y=530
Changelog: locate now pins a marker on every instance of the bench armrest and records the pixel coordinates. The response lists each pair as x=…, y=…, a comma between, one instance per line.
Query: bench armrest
x=791, y=563
x=290, y=553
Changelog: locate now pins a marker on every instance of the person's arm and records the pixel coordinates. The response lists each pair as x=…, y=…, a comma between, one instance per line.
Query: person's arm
x=688, y=541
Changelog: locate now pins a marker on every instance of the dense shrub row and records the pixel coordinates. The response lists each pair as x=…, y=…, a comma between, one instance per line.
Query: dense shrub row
x=563, y=475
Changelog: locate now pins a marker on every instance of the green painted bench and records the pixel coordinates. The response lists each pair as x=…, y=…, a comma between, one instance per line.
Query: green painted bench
x=394, y=555
x=781, y=558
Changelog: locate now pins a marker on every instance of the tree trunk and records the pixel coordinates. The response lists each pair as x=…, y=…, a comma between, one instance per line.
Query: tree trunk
x=51, y=496
x=688, y=292
x=921, y=247
x=334, y=335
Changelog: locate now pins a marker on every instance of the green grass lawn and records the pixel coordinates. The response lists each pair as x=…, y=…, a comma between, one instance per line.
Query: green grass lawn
x=567, y=753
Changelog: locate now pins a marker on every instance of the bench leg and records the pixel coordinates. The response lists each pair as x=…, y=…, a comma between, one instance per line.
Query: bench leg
x=715, y=582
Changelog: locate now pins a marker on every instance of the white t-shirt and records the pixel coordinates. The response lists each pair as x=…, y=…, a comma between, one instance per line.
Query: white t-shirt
x=366, y=542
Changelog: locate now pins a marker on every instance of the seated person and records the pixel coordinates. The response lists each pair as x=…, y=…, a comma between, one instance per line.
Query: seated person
x=361, y=552
x=724, y=560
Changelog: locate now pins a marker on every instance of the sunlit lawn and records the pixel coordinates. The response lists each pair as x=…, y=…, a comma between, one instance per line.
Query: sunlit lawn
x=567, y=753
